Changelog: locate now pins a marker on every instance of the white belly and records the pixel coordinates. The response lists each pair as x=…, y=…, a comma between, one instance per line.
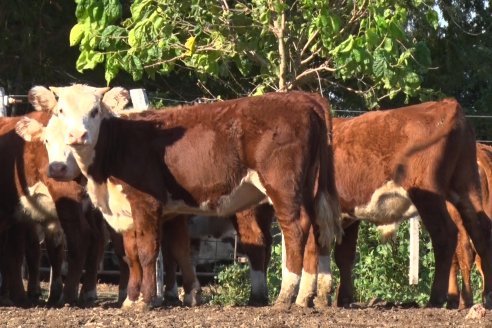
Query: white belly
x=248, y=193
x=110, y=199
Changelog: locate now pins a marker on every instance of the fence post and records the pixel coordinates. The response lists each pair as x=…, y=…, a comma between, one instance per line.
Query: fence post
x=139, y=99
x=3, y=103
x=413, y=274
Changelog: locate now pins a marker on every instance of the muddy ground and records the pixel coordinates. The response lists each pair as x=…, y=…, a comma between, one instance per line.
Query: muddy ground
x=106, y=314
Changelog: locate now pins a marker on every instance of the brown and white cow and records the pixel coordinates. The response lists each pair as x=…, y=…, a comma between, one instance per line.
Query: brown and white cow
x=28, y=193
x=368, y=147
x=176, y=248
x=465, y=254
x=212, y=159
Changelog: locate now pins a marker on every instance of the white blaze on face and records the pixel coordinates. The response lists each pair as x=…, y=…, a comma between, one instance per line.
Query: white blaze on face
x=58, y=151
x=79, y=107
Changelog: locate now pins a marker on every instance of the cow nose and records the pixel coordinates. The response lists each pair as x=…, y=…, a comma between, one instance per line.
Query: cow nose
x=77, y=137
x=57, y=170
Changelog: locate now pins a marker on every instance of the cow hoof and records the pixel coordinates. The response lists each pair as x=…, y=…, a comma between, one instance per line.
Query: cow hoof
x=172, y=300
x=487, y=301
x=282, y=306
x=452, y=304
x=88, y=298
x=4, y=301
x=258, y=301
x=305, y=302
x=34, y=296
x=194, y=298
x=322, y=302
x=139, y=304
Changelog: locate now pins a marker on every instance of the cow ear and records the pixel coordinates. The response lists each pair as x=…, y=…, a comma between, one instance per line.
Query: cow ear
x=116, y=99
x=29, y=129
x=42, y=99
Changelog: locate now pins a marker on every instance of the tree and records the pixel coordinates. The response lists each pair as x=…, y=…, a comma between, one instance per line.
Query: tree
x=360, y=47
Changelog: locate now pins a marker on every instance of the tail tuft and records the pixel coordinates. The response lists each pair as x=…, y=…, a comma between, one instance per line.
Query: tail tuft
x=328, y=220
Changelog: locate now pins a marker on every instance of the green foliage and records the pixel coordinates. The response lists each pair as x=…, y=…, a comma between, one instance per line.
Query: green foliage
x=233, y=285
x=364, y=47
x=233, y=282
x=381, y=269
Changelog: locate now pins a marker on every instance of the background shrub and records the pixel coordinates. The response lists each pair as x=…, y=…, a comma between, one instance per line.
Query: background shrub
x=380, y=271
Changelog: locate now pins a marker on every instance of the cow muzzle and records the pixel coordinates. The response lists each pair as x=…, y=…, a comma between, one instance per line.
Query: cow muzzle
x=58, y=171
x=77, y=138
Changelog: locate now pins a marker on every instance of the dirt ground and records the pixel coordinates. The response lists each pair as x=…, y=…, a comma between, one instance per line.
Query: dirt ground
x=106, y=314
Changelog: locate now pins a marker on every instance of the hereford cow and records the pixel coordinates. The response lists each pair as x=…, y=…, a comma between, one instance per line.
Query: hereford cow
x=465, y=254
x=433, y=140
x=368, y=147
x=211, y=159
x=28, y=193
x=176, y=247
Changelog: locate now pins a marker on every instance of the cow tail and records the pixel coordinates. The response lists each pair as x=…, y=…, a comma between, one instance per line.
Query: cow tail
x=327, y=205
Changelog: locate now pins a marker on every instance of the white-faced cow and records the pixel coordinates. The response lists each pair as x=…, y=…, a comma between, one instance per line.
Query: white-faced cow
x=211, y=159
x=176, y=241
x=28, y=193
x=368, y=147
x=465, y=254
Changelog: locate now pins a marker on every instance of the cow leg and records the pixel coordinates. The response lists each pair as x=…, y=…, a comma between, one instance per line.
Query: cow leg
x=453, y=289
x=171, y=296
x=135, y=269
x=148, y=243
x=54, y=248
x=95, y=252
x=463, y=259
x=33, y=256
x=119, y=250
x=253, y=228
x=344, y=259
x=443, y=233
x=14, y=255
x=179, y=243
x=294, y=240
x=479, y=232
x=307, y=288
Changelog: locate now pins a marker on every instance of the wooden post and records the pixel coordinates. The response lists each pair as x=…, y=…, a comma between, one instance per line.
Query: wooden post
x=413, y=274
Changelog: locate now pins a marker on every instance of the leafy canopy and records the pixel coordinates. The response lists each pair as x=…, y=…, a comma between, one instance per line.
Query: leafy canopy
x=364, y=47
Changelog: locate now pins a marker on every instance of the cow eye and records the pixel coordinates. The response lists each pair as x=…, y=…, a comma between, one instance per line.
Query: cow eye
x=45, y=141
x=94, y=112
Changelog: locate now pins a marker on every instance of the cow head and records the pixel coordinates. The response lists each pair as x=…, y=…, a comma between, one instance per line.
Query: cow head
x=62, y=164
x=78, y=113
x=79, y=106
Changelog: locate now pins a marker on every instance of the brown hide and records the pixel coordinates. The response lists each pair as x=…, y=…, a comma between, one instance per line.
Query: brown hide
x=22, y=165
x=465, y=254
x=368, y=148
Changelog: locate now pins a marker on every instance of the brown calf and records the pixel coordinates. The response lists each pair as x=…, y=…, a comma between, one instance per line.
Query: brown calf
x=27, y=192
x=213, y=159
x=368, y=147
